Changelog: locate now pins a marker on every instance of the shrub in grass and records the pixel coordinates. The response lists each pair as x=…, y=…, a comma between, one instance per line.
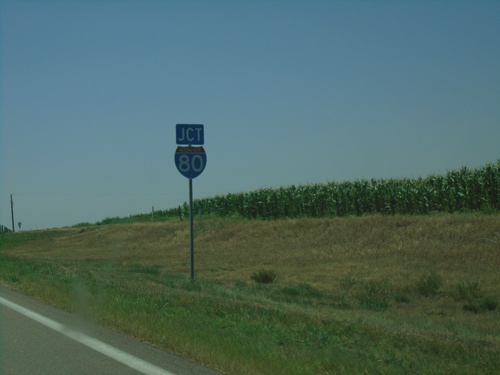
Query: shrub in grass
x=429, y=284
x=489, y=304
x=376, y=296
x=481, y=305
x=348, y=282
x=471, y=294
x=472, y=307
x=264, y=276
x=379, y=287
x=402, y=298
x=373, y=302
x=467, y=291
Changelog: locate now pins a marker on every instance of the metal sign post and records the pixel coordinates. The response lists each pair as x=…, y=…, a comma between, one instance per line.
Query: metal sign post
x=12, y=213
x=191, y=229
x=190, y=162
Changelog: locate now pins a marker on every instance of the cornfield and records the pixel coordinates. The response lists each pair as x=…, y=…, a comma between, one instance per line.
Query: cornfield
x=462, y=190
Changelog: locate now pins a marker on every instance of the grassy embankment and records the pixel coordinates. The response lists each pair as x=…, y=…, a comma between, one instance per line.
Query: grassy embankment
x=369, y=294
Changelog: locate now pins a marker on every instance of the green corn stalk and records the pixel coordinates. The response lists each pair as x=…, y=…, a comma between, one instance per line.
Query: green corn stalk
x=464, y=189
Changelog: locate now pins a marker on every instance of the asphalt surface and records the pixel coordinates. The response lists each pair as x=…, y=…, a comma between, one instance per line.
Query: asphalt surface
x=37, y=339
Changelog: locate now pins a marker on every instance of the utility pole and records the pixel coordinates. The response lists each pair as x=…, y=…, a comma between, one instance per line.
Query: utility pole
x=12, y=213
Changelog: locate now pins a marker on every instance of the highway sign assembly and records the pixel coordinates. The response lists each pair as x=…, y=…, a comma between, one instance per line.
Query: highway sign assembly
x=190, y=159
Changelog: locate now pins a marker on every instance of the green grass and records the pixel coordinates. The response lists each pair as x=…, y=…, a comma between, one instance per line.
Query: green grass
x=370, y=303
x=240, y=328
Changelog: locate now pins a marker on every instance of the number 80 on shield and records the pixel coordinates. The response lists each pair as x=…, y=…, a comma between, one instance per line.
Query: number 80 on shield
x=190, y=161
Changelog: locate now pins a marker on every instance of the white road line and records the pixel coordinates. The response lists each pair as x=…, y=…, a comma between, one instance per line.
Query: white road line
x=109, y=351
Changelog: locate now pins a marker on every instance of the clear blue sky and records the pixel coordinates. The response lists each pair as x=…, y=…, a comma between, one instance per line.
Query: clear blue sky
x=290, y=92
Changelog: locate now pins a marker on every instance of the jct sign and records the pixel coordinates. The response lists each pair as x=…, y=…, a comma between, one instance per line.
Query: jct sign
x=189, y=134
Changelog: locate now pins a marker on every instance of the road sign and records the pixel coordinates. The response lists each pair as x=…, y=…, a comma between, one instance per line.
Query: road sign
x=190, y=161
x=189, y=134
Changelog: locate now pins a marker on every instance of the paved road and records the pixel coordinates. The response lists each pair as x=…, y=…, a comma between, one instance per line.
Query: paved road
x=37, y=339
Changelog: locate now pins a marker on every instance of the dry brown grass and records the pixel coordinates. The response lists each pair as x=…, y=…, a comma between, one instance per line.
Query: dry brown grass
x=320, y=252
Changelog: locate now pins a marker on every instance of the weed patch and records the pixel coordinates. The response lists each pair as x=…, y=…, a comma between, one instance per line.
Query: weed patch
x=376, y=296
x=402, y=298
x=348, y=282
x=264, y=276
x=467, y=291
x=373, y=302
x=429, y=285
x=154, y=269
x=470, y=293
x=481, y=305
